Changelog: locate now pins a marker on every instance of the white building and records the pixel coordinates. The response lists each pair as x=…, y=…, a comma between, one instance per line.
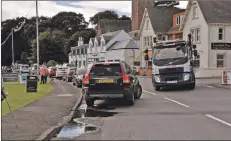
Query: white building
x=98, y=45
x=78, y=55
x=156, y=22
x=209, y=22
x=126, y=50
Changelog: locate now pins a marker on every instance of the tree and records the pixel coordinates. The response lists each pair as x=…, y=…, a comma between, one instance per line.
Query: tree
x=107, y=14
x=166, y=3
x=51, y=63
x=68, y=22
x=50, y=47
x=124, y=17
x=24, y=57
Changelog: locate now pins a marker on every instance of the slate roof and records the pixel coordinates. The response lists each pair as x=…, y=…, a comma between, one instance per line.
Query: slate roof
x=108, y=36
x=174, y=30
x=162, y=18
x=125, y=44
x=216, y=11
x=114, y=25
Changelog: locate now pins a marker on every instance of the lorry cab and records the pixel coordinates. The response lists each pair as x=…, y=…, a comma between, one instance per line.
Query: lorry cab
x=172, y=64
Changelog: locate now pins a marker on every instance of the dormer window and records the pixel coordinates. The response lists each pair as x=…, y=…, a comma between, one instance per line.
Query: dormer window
x=178, y=20
x=195, y=12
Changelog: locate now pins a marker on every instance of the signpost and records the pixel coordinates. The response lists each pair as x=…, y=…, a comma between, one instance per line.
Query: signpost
x=10, y=77
x=23, y=77
x=226, y=77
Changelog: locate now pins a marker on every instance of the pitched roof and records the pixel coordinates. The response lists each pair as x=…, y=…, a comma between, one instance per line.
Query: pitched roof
x=108, y=36
x=174, y=30
x=114, y=25
x=125, y=44
x=161, y=18
x=215, y=11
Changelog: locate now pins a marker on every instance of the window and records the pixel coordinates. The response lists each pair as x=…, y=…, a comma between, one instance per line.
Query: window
x=147, y=39
x=147, y=24
x=150, y=40
x=195, y=14
x=136, y=63
x=220, y=60
x=106, y=70
x=197, y=35
x=79, y=64
x=116, y=60
x=110, y=60
x=192, y=33
x=145, y=44
x=84, y=63
x=221, y=34
x=77, y=51
x=178, y=20
x=163, y=38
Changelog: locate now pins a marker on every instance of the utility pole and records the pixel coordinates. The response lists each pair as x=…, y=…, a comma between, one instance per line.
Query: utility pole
x=37, y=31
x=12, y=32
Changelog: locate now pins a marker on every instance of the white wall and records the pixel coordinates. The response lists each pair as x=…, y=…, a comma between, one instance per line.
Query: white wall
x=144, y=32
x=202, y=46
x=214, y=39
x=129, y=55
x=115, y=55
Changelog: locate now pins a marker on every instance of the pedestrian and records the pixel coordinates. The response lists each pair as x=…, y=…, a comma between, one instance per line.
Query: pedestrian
x=46, y=74
x=3, y=92
x=42, y=74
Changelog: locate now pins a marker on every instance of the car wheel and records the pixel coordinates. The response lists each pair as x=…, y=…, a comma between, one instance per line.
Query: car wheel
x=157, y=88
x=138, y=92
x=90, y=102
x=73, y=83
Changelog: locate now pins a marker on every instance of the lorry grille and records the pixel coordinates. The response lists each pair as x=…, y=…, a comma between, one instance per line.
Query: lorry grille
x=171, y=71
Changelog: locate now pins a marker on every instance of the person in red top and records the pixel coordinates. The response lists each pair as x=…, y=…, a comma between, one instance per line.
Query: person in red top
x=43, y=72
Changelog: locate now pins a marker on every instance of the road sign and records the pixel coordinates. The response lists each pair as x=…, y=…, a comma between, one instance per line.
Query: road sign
x=10, y=77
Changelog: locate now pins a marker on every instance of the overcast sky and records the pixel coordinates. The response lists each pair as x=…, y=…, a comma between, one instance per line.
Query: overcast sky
x=13, y=9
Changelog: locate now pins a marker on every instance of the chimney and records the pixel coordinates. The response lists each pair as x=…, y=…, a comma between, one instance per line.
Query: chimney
x=80, y=42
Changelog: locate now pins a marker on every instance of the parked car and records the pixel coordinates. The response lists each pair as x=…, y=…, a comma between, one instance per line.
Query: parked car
x=52, y=71
x=60, y=71
x=111, y=80
x=78, y=77
x=69, y=73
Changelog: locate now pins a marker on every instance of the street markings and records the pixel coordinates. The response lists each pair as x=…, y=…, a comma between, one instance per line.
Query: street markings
x=210, y=86
x=176, y=102
x=219, y=120
x=149, y=92
x=65, y=95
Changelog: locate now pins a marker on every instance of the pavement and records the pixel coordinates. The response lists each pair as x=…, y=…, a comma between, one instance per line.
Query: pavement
x=170, y=114
x=37, y=117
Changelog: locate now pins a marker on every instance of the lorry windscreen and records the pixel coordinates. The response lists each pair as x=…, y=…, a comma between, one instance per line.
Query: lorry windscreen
x=165, y=55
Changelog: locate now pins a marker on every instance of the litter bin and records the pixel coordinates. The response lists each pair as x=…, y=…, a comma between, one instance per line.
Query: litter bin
x=32, y=83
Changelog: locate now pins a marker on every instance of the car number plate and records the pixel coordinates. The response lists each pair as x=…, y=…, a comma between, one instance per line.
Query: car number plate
x=171, y=82
x=106, y=81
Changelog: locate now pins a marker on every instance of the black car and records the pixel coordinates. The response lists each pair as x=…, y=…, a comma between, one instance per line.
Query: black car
x=109, y=80
x=78, y=77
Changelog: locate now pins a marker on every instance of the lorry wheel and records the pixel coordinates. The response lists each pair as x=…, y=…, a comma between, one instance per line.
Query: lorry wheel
x=90, y=102
x=192, y=86
x=157, y=88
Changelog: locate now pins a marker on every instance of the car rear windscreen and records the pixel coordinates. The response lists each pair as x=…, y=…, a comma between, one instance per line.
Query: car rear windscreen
x=106, y=70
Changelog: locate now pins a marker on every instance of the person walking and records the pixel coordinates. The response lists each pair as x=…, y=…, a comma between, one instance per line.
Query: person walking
x=42, y=74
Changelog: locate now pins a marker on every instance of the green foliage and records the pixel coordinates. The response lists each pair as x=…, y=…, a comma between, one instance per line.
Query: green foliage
x=107, y=14
x=124, y=17
x=51, y=63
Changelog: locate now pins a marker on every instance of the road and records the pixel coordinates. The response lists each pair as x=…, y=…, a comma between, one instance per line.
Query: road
x=170, y=114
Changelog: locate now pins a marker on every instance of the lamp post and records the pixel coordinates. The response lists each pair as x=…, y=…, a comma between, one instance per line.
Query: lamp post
x=37, y=31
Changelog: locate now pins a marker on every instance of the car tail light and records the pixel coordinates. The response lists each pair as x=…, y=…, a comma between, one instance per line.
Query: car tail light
x=87, y=77
x=126, y=78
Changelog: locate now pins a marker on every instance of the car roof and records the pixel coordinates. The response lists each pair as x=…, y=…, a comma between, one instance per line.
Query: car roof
x=108, y=63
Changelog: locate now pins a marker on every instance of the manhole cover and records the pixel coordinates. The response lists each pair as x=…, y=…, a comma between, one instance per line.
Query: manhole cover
x=64, y=95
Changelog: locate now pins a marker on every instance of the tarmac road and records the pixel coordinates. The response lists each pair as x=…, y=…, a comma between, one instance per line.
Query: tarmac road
x=170, y=114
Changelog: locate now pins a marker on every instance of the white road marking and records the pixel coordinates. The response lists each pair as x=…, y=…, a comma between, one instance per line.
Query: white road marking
x=219, y=120
x=64, y=95
x=210, y=86
x=149, y=92
x=176, y=102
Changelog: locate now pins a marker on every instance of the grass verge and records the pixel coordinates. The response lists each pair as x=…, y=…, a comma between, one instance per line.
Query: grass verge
x=17, y=96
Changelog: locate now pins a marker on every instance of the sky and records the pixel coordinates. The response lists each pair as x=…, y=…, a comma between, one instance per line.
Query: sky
x=13, y=9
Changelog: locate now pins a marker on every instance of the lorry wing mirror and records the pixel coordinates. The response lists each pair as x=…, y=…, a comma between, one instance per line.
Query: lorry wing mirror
x=194, y=46
x=195, y=53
